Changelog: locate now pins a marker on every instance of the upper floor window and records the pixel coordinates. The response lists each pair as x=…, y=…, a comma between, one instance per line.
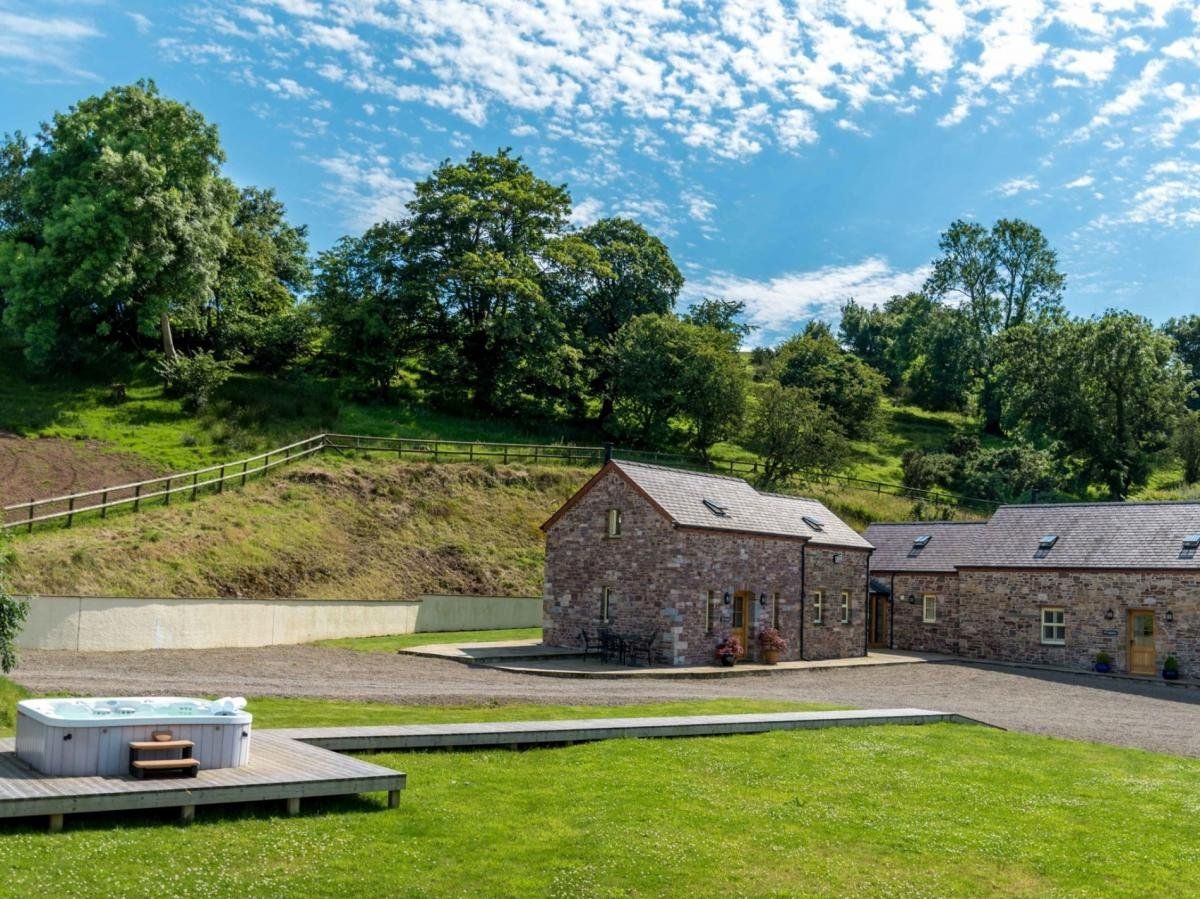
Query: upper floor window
x=1054, y=626
x=929, y=609
x=605, y=603
x=845, y=607
x=614, y=523
x=818, y=606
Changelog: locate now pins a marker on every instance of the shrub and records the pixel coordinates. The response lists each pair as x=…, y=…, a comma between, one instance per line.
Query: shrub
x=193, y=378
x=770, y=640
x=730, y=646
x=12, y=611
x=1171, y=664
x=1103, y=658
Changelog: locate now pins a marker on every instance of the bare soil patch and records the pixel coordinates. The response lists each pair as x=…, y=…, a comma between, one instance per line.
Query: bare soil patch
x=38, y=468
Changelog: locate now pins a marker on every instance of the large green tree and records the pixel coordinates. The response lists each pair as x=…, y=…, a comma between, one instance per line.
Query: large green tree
x=115, y=220
x=479, y=234
x=999, y=278
x=264, y=268
x=839, y=380
x=634, y=275
x=793, y=433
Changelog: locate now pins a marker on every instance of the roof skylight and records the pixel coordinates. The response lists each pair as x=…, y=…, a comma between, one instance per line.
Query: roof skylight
x=1047, y=541
x=716, y=508
x=813, y=523
x=1191, y=541
x=921, y=541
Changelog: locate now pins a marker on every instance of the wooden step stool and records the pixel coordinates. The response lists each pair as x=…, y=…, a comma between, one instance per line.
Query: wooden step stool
x=184, y=765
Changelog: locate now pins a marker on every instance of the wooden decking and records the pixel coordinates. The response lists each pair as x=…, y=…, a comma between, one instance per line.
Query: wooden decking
x=547, y=733
x=292, y=764
x=280, y=768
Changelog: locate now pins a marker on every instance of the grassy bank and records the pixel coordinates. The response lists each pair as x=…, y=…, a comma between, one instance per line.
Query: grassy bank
x=405, y=641
x=943, y=810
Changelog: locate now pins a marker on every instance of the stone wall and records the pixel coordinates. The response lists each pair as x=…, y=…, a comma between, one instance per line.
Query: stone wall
x=660, y=578
x=1001, y=615
x=909, y=629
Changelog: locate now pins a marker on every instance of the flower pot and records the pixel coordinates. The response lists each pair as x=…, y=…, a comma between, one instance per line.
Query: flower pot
x=727, y=661
x=1103, y=667
x=770, y=656
x=1170, y=674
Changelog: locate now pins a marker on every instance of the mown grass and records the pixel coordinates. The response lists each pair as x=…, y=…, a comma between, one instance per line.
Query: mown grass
x=941, y=810
x=405, y=641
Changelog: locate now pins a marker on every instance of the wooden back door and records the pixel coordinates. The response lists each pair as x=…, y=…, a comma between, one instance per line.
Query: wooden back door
x=877, y=621
x=1142, y=657
x=741, y=618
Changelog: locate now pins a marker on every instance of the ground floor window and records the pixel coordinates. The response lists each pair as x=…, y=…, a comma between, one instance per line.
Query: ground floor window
x=929, y=611
x=605, y=603
x=1054, y=626
x=708, y=611
x=818, y=606
x=845, y=607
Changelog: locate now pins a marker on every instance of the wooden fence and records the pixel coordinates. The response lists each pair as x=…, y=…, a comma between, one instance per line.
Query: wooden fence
x=214, y=478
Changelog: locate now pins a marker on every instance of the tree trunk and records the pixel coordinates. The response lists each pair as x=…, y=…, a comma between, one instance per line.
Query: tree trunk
x=167, y=339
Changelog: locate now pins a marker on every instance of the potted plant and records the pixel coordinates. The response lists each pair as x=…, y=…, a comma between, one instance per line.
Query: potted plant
x=771, y=642
x=1171, y=668
x=729, y=650
x=1103, y=662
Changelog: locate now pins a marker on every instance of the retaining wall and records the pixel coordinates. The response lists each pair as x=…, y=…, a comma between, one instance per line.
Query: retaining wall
x=109, y=624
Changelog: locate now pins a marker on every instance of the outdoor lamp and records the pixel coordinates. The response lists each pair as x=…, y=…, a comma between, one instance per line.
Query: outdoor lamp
x=1170, y=616
x=728, y=598
x=1109, y=615
x=762, y=601
x=912, y=600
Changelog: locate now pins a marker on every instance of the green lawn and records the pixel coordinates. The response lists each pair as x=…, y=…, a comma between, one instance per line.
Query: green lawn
x=405, y=641
x=940, y=810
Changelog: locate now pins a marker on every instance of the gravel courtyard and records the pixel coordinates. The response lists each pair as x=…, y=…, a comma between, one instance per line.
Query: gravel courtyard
x=1147, y=715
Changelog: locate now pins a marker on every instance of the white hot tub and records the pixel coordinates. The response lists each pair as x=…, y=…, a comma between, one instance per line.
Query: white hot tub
x=77, y=737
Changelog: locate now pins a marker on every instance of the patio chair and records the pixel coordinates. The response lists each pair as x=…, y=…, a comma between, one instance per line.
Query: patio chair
x=592, y=644
x=612, y=647
x=643, y=648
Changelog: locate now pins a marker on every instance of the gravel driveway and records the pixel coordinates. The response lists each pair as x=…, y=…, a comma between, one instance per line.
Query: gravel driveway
x=1148, y=715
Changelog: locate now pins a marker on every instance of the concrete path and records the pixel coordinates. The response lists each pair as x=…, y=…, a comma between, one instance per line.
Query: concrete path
x=1149, y=714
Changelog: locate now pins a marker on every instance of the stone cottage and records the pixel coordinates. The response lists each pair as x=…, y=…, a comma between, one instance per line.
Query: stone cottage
x=687, y=559
x=1045, y=584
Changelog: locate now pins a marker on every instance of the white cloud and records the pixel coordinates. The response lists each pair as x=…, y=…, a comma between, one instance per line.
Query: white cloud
x=292, y=90
x=365, y=188
x=1081, y=181
x=1169, y=197
x=36, y=43
x=1015, y=186
x=587, y=211
x=786, y=301
x=141, y=22
x=1092, y=65
x=699, y=207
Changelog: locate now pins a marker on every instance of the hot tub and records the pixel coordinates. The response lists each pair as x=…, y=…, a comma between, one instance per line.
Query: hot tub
x=76, y=737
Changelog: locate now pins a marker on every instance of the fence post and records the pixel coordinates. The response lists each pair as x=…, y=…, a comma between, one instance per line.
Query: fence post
x=31, y=514
x=195, y=481
x=104, y=504
x=70, y=509
x=245, y=465
x=535, y=454
x=137, y=494
x=167, y=493
x=470, y=452
x=221, y=482
x=506, y=454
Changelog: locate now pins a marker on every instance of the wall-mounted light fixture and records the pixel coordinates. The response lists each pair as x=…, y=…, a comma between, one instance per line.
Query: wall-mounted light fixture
x=762, y=600
x=837, y=558
x=728, y=598
x=1110, y=615
x=1170, y=616
x=912, y=600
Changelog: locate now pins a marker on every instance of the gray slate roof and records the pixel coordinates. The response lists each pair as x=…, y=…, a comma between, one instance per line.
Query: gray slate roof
x=681, y=494
x=950, y=543
x=1090, y=535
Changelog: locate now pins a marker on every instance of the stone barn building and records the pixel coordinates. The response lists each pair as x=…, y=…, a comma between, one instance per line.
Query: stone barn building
x=1045, y=584
x=687, y=559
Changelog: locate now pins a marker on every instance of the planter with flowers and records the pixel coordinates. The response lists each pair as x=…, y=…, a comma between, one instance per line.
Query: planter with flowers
x=1103, y=663
x=729, y=651
x=771, y=642
x=1171, y=668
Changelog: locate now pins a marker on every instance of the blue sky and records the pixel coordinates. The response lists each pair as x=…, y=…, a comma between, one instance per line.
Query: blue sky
x=791, y=155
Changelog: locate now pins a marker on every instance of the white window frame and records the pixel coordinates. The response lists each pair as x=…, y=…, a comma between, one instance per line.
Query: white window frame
x=818, y=606
x=845, y=607
x=605, y=604
x=929, y=609
x=1060, y=625
x=613, y=523
x=708, y=611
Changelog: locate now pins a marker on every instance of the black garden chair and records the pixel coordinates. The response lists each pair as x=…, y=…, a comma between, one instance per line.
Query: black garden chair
x=642, y=648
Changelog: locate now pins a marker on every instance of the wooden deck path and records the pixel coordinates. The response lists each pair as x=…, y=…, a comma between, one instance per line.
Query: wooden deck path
x=543, y=733
x=280, y=768
x=294, y=763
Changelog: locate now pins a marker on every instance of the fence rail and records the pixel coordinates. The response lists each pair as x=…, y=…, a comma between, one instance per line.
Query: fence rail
x=214, y=478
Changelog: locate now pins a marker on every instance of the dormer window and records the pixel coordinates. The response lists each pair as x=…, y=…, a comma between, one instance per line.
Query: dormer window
x=813, y=523
x=614, y=523
x=716, y=508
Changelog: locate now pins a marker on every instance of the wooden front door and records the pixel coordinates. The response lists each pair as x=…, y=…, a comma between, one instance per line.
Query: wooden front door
x=877, y=621
x=741, y=618
x=1142, y=658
